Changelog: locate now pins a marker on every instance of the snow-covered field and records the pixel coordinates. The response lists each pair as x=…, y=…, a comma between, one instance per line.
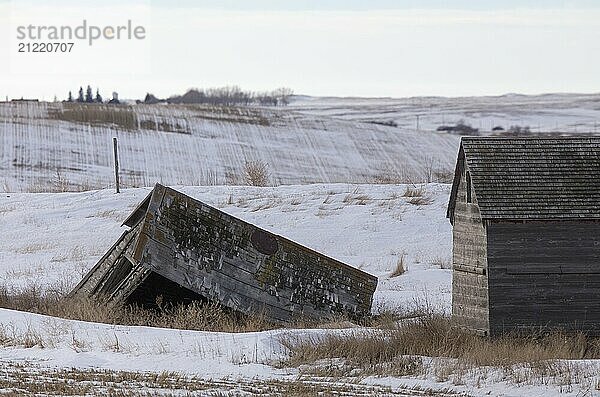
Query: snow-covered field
x=38, y=152
x=574, y=113
x=223, y=363
x=314, y=140
x=53, y=238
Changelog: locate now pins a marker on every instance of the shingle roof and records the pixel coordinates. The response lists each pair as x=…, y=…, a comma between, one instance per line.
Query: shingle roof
x=532, y=178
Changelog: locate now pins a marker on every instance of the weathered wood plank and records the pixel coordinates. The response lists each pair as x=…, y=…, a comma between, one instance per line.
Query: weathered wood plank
x=469, y=260
x=103, y=277
x=243, y=267
x=550, y=277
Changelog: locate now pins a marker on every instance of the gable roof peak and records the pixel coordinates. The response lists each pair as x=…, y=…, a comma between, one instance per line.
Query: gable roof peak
x=532, y=177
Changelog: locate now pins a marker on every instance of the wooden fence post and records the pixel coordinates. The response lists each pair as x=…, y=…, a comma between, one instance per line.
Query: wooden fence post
x=116, y=164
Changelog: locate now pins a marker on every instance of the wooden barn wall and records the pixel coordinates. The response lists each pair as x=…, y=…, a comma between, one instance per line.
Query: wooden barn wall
x=544, y=274
x=469, y=263
x=243, y=267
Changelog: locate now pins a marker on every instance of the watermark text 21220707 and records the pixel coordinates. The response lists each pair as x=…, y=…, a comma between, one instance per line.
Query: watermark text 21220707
x=46, y=47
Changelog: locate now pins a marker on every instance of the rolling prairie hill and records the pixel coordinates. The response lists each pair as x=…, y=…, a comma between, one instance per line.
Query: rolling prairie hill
x=565, y=113
x=66, y=146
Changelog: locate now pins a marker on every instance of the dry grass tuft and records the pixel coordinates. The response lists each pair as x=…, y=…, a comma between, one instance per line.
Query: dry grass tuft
x=400, y=268
x=417, y=195
x=414, y=191
x=420, y=200
x=442, y=263
x=356, y=198
x=58, y=183
x=256, y=173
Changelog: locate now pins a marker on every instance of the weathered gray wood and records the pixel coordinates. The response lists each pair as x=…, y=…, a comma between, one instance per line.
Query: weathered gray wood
x=216, y=256
x=138, y=213
x=544, y=274
x=526, y=252
x=199, y=252
x=116, y=275
x=533, y=178
x=101, y=271
x=469, y=260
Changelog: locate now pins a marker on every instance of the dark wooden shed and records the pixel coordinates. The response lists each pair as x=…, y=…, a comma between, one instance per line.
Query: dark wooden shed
x=183, y=250
x=526, y=234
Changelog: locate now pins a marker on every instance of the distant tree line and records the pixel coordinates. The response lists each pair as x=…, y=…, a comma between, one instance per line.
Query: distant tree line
x=463, y=128
x=227, y=96
x=89, y=97
x=460, y=128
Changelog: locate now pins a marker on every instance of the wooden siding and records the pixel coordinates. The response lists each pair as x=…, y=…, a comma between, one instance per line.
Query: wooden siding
x=535, y=219
x=243, y=267
x=544, y=275
x=469, y=263
x=183, y=250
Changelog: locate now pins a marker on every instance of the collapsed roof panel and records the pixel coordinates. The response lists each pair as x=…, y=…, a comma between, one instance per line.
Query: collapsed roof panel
x=223, y=259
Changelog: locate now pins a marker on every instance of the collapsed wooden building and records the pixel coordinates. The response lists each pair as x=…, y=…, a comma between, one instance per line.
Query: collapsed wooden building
x=526, y=234
x=183, y=250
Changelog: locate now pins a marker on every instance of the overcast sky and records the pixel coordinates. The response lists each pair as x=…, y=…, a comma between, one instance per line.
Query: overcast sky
x=335, y=47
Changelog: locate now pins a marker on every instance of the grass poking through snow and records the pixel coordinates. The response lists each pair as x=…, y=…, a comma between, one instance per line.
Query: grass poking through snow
x=408, y=349
x=400, y=268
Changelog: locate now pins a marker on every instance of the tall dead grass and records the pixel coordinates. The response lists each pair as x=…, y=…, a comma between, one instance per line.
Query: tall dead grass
x=402, y=348
x=194, y=316
x=417, y=195
x=58, y=183
x=122, y=116
x=199, y=316
x=435, y=336
x=400, y=268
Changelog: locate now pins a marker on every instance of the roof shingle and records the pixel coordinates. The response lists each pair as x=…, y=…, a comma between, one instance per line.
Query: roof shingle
x=533, y=178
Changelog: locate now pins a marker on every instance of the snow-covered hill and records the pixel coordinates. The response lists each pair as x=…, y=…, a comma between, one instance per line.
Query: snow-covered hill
x=45, y=145
x=572, y=113
x=56, y=146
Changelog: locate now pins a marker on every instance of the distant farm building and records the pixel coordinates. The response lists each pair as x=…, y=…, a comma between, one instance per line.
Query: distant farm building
x=526, y=234
x=183, y=250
